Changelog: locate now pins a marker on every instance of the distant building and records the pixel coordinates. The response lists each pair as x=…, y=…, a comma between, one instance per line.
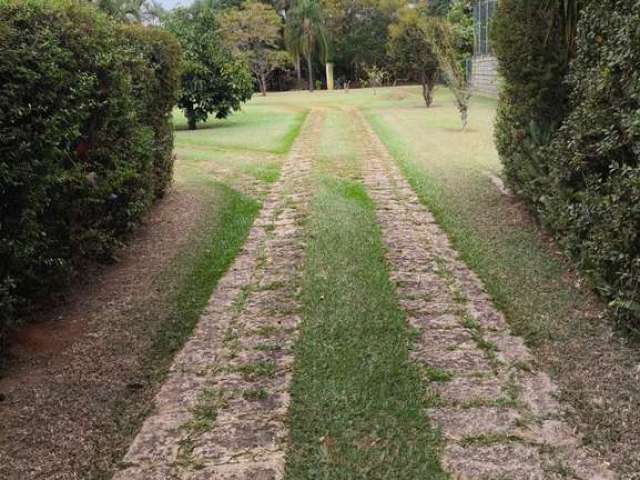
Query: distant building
x=484, y=66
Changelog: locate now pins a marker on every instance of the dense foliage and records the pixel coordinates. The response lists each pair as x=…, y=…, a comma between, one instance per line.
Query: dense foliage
x=254, y=32
x=85, y=139
x=533, y=62
x=412, y=51
x=569, y=133
x=593, y=200
x=213, y=80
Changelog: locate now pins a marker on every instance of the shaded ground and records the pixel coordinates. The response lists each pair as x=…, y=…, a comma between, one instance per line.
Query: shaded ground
x=70, y=372
x=81, y=376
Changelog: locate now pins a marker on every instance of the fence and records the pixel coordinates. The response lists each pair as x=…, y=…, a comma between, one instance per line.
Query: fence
x=482, y=14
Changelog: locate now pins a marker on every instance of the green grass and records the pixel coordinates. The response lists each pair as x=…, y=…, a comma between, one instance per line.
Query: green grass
x=358, y=402
x=449, y=170
x=255, y=128
x=197, y=271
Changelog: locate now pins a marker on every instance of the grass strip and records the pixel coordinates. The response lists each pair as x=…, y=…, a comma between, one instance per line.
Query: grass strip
x=358, y=402
x=200, y=268
x=524, y=280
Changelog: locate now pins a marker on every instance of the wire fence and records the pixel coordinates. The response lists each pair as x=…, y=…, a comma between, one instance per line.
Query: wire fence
x=482, y=13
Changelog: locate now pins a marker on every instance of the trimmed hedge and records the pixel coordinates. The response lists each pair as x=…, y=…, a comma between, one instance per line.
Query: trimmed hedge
x=85, y=139
x=578, y=165
x=533, y=61
x=593, y=202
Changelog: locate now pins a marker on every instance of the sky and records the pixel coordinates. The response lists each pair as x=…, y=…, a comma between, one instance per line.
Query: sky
x=174, y=3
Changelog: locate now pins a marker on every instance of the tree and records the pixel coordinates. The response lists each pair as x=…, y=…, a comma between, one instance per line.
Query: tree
x=359, y=33
x=254, y=32
x=213, y=81
x=439, y=8
x=306, y=33
x=134, y=11
x=460, y=18
x=412, y=51
x=443, y=42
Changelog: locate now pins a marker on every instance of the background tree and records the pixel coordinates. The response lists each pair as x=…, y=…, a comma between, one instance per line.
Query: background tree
x=293, y=44
x=359, y=33
x=412, y=52
x=460, y=18
x=443, y=42
x=131, y=10
x=307, y=33
x=212, y=81
x=254, y=31
x=438, y=8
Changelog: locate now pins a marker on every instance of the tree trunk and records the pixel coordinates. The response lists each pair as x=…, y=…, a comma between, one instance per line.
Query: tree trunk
x=310, y=68
x=427, y=89
x=329, y=68
x=191, y=118
x=263, y=85
x=298, y=70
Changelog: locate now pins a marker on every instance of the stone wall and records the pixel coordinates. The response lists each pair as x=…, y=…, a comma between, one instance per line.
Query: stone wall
x=484, y=75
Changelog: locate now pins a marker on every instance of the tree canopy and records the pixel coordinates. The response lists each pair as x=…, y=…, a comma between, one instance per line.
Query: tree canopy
x=213, y=80
x=254, y=31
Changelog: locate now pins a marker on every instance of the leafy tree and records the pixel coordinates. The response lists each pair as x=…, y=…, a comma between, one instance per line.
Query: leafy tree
x=412, y=51
x=443, y=42
x=254, y=31
x=375, y=77
x=460, y=18
x=439, y=8
x=213, y=81
x=359, y=32
x=134, y=11
x=307, y=34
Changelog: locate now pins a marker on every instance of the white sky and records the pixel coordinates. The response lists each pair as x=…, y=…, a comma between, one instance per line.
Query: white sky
x=174, y=3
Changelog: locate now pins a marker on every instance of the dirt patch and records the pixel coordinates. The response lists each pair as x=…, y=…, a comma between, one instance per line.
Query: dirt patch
x=75, y=385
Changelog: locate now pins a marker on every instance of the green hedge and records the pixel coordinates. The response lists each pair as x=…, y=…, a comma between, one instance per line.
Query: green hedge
x=580, y=166
x=85, y=139
x=533, y=61
x=594, y=184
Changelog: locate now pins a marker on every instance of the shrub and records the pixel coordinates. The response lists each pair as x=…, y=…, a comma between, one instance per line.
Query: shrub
x=533, y=62
x=85, y=140
x=593, y=202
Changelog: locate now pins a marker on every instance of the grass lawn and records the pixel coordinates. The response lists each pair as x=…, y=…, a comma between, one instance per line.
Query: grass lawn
x=358, y=403
x=451, y=172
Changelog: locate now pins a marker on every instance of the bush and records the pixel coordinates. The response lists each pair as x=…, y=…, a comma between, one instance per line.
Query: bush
x=593, y=202
x=569, y=135
x=533, y=62
x=85, y=139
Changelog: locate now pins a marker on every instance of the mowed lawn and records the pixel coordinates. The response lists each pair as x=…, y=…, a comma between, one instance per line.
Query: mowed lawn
x=454, y=173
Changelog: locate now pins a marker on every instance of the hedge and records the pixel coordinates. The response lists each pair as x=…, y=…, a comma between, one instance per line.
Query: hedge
x=85, y=140
x=582, y=174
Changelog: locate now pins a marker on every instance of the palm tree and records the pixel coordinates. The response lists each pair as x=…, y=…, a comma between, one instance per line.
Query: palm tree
x=293, y=44
x=306, y=33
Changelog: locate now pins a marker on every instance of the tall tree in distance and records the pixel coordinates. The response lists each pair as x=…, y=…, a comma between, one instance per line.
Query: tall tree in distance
x=213, y=81
x=412, y=52
x=254, y=33
x=307, y=33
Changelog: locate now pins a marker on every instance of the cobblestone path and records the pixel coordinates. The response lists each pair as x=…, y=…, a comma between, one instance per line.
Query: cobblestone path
x=498, y=416
x=221, y=412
